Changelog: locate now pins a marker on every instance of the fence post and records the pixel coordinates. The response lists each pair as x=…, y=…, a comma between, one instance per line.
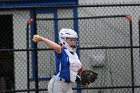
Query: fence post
x=35, y=52
x=131, y=44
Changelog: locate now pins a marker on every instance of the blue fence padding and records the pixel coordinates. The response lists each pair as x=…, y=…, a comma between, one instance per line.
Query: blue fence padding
x=37, y=3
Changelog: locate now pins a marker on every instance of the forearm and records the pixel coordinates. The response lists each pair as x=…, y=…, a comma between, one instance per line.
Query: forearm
x=55, y=46
x=51, y=44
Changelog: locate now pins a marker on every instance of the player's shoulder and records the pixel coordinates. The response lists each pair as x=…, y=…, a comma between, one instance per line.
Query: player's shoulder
x=62, y=51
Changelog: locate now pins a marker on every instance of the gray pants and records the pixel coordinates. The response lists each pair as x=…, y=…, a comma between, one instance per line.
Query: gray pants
x=57, y=86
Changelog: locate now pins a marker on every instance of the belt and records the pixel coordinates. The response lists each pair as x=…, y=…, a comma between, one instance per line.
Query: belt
x=61, y=79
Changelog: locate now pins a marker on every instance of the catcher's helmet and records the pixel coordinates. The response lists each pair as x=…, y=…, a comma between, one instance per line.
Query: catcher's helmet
x=67, y=33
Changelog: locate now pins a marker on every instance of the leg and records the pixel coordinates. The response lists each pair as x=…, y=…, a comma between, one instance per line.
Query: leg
x=69, y=90
x=54, y=86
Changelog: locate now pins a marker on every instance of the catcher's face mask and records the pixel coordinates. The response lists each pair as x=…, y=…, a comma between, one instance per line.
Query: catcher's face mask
x=72, y=42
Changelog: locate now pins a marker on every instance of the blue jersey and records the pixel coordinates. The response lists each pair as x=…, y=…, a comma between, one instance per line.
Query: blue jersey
x=62, y=65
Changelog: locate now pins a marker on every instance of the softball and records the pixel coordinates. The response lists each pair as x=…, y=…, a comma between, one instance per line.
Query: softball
x=36, y=36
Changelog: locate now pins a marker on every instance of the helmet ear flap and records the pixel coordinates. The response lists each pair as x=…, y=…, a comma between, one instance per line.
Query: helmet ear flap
x=64, y=43
x=60, y=44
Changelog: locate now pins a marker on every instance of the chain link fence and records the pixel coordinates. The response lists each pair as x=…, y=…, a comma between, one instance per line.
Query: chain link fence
x=108, y=44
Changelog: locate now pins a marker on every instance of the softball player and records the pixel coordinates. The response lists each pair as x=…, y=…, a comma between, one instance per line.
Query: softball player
x=68, y=64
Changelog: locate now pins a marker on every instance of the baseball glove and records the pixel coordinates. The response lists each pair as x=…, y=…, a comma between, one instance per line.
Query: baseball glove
x=87, y=77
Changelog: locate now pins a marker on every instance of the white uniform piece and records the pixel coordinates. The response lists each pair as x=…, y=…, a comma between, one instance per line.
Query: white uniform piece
x=75, y=65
